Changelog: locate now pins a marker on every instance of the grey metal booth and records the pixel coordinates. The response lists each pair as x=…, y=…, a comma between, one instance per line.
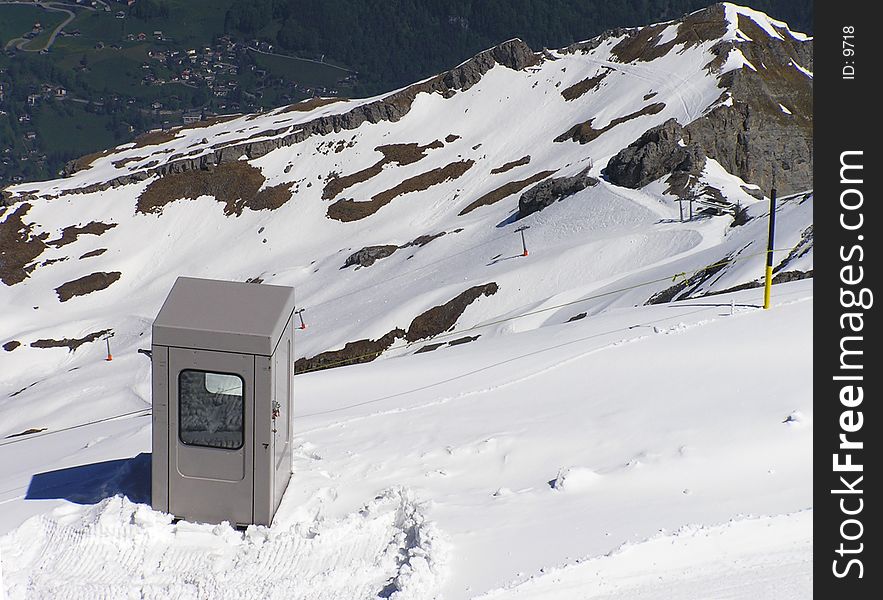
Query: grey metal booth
x=222, y=400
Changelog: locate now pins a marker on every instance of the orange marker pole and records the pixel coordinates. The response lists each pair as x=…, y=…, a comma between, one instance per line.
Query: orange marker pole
x=523, y=242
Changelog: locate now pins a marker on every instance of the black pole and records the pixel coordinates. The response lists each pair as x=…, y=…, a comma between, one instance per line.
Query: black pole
x=769, y=250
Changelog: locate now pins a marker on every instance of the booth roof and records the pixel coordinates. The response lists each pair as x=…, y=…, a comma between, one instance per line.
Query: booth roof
x=229, y=316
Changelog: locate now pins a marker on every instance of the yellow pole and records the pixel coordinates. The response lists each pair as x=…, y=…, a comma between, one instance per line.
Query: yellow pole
x=769, y=251
x=768, y=286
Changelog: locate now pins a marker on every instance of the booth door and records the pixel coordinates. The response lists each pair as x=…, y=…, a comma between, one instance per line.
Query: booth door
x=211, y=435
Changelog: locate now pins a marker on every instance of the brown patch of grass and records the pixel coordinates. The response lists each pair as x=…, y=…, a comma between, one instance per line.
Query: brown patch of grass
x=70, y=344
x=401, y=154
x=52, y=261
x=353, y=353
x=270, y=198
x=434, y=321
x=429, y=348
x=26, y=432
x=451, y=138
x=84, y=162
x=92, y=253
x=641, y=44
x=119, y=164
x=309, y=104
x=154, y=138
x=236, y=185
x=209, y=122
x=70, y=234
x=86, y=285
x=463, y=340
x=585, y=133
x=511, y=165
x=504, y=191
x=439, y=319
x=405, y=154
x=11, y=345
x=650, y=95
x=19, y=246
x=425, y=239
x=350, y=210
x=584, y=86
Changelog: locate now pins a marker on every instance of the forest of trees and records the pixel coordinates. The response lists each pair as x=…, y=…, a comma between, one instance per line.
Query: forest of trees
x=395, y=42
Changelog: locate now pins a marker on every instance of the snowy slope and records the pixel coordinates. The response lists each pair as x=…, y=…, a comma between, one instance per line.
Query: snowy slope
x=538, y=450
x=609, y=396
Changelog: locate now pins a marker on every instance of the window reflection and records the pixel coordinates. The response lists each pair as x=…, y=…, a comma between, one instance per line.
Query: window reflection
x=211, y=409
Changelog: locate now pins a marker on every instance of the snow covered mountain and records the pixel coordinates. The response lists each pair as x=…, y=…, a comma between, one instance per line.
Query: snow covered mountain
x=516, y=412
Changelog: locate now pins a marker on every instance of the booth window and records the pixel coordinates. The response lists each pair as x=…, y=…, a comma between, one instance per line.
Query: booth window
x=211, y=410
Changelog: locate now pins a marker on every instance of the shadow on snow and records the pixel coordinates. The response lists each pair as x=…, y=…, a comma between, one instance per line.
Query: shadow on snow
x=92, y=483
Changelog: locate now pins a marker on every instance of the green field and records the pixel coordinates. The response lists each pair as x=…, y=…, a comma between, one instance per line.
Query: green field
x=70, y=128
x=190, y=22
x=303, y=71
x=17, y=20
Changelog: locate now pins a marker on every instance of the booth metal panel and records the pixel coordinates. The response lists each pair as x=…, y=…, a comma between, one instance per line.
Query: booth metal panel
x=213, y=474
x=222, y=400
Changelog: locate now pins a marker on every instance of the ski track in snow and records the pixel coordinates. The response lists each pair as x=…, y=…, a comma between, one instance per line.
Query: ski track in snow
x=118, y=549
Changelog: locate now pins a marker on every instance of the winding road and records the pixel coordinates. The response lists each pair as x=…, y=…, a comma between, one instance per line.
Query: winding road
x=20, y=42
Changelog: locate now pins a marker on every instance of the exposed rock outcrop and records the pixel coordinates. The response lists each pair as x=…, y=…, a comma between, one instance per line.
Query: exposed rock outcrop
x=552, y=190
x=754, y=138
x=504, y=191
x=368, y=255
x=762, y=126
x=659, y=151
